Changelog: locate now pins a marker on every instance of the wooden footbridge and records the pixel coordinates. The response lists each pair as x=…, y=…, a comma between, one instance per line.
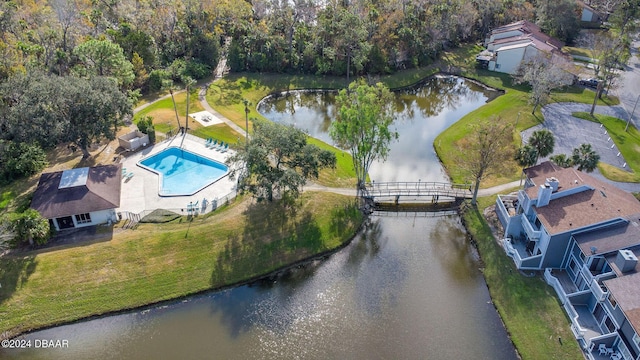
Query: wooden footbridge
x=433, y=192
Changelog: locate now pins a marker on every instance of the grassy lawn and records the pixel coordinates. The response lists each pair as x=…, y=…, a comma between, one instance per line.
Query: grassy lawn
x=164, y=261
x=513, y=107
x=529, y=307
x=628, y=142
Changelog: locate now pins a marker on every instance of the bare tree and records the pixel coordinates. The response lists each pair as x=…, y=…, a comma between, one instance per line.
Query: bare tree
x=544, y=72
x=486, y=151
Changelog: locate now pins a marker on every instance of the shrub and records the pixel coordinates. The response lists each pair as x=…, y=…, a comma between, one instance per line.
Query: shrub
x=19, y=160
x=156, y=78
x=28, y=227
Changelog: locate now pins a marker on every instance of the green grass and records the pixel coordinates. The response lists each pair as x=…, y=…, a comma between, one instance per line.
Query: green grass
x=220, y=132
x=527, y=305
x=513, y=107
x=628, y=142
x=158, y=262
x=579, y=51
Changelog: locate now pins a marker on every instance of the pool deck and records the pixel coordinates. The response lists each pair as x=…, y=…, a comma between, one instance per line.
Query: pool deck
x=140, y=192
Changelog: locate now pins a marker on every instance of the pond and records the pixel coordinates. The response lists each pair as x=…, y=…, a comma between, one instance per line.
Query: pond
x=407, y=287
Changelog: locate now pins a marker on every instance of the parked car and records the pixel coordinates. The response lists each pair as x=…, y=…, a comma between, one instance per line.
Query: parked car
x=592, y=83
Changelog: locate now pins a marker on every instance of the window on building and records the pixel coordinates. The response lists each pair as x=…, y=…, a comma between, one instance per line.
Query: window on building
x=83, y=218
x=612, y=301
x=573, y=266
x=610, y=325
x=497, y=66
x=636, y=339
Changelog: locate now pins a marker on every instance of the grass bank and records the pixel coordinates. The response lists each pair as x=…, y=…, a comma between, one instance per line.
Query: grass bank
x=158, y=262
x=513, y=107
x=528, y=307
x=628, y=142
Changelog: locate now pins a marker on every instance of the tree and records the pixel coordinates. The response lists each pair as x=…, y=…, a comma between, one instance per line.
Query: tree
x=559, y=18
x=188, y=83
x=561, y=160
x=29, y=227
x=19, y=160
x=544, y=73
x=167, y=84
x=364, y=115
x=49, y=110
x=526, y=156
x=104, y=58
x=485, y=151
x=543, y=142
x=585, y=158
x=277, y=161
x=145, y=125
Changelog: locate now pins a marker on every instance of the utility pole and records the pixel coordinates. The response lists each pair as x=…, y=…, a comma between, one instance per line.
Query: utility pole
x=246, y=123
x=631, y=116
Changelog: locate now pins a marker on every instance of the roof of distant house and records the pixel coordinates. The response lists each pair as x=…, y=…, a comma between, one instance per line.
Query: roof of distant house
x=78, y=191
x=595, y=203
x=527, y=27
x=530, y=31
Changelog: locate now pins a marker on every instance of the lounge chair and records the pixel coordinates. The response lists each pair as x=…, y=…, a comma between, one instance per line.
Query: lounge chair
x=130, y=175
x=213, y=143
x=220, y=146
x=226, y=147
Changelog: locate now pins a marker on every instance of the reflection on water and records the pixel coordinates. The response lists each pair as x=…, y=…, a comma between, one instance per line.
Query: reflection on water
x=405, y=288
x=423, y=112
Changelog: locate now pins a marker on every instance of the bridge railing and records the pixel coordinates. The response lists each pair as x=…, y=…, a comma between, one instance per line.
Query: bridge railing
x=417, y=188
x=418, y=185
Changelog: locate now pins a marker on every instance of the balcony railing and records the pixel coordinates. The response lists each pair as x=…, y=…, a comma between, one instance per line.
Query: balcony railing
x=532, y=233
x=555, y=284
x=597, y=290
x=531, y=262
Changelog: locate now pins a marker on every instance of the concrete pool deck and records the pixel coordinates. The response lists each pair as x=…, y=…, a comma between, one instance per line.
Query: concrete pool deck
x=140, y=192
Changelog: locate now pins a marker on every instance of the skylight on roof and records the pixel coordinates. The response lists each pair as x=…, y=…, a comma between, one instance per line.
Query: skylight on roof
x=74, y=177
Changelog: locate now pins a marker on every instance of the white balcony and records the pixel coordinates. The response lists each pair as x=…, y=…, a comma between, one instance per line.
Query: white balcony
x=518, y=253
x=598, y=292
x=530, y=230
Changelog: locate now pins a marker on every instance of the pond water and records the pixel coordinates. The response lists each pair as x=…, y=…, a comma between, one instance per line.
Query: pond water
x=407, y=287
x=422, y=112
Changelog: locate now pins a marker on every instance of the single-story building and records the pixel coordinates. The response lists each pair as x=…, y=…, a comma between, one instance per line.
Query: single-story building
x=79, y=197
x=133, y=140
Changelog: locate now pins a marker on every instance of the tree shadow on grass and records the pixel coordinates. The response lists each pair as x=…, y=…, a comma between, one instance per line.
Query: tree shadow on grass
x=228, y=92
x=14, y=273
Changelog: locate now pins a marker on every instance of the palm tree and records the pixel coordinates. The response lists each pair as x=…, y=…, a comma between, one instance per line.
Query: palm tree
x=585, y=157
x=562, y=160
x=543, y=141
x=526, y=156
x=188, y=81
x=168, y=85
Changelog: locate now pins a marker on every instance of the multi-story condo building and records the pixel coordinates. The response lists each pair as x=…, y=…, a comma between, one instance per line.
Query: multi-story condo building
x=584, y=234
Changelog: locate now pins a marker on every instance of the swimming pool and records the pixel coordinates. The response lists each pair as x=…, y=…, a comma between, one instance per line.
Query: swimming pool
x=182, y=172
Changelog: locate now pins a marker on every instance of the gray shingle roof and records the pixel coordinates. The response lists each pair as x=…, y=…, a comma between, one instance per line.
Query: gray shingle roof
x=101, y=192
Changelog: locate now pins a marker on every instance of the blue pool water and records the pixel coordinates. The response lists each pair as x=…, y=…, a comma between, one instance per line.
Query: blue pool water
x=182, y=172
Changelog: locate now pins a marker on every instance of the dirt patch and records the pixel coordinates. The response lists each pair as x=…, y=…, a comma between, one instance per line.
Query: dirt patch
x=490, y=215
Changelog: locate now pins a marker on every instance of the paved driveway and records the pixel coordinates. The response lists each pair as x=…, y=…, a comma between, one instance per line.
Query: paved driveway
x=570, y=132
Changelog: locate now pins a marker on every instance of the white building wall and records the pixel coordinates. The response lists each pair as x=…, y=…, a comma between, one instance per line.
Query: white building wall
x=97, y=218
x=508, y=60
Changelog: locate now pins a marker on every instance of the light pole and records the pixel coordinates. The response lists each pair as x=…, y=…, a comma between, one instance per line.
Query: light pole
x=632, y=111
x=246, y=123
